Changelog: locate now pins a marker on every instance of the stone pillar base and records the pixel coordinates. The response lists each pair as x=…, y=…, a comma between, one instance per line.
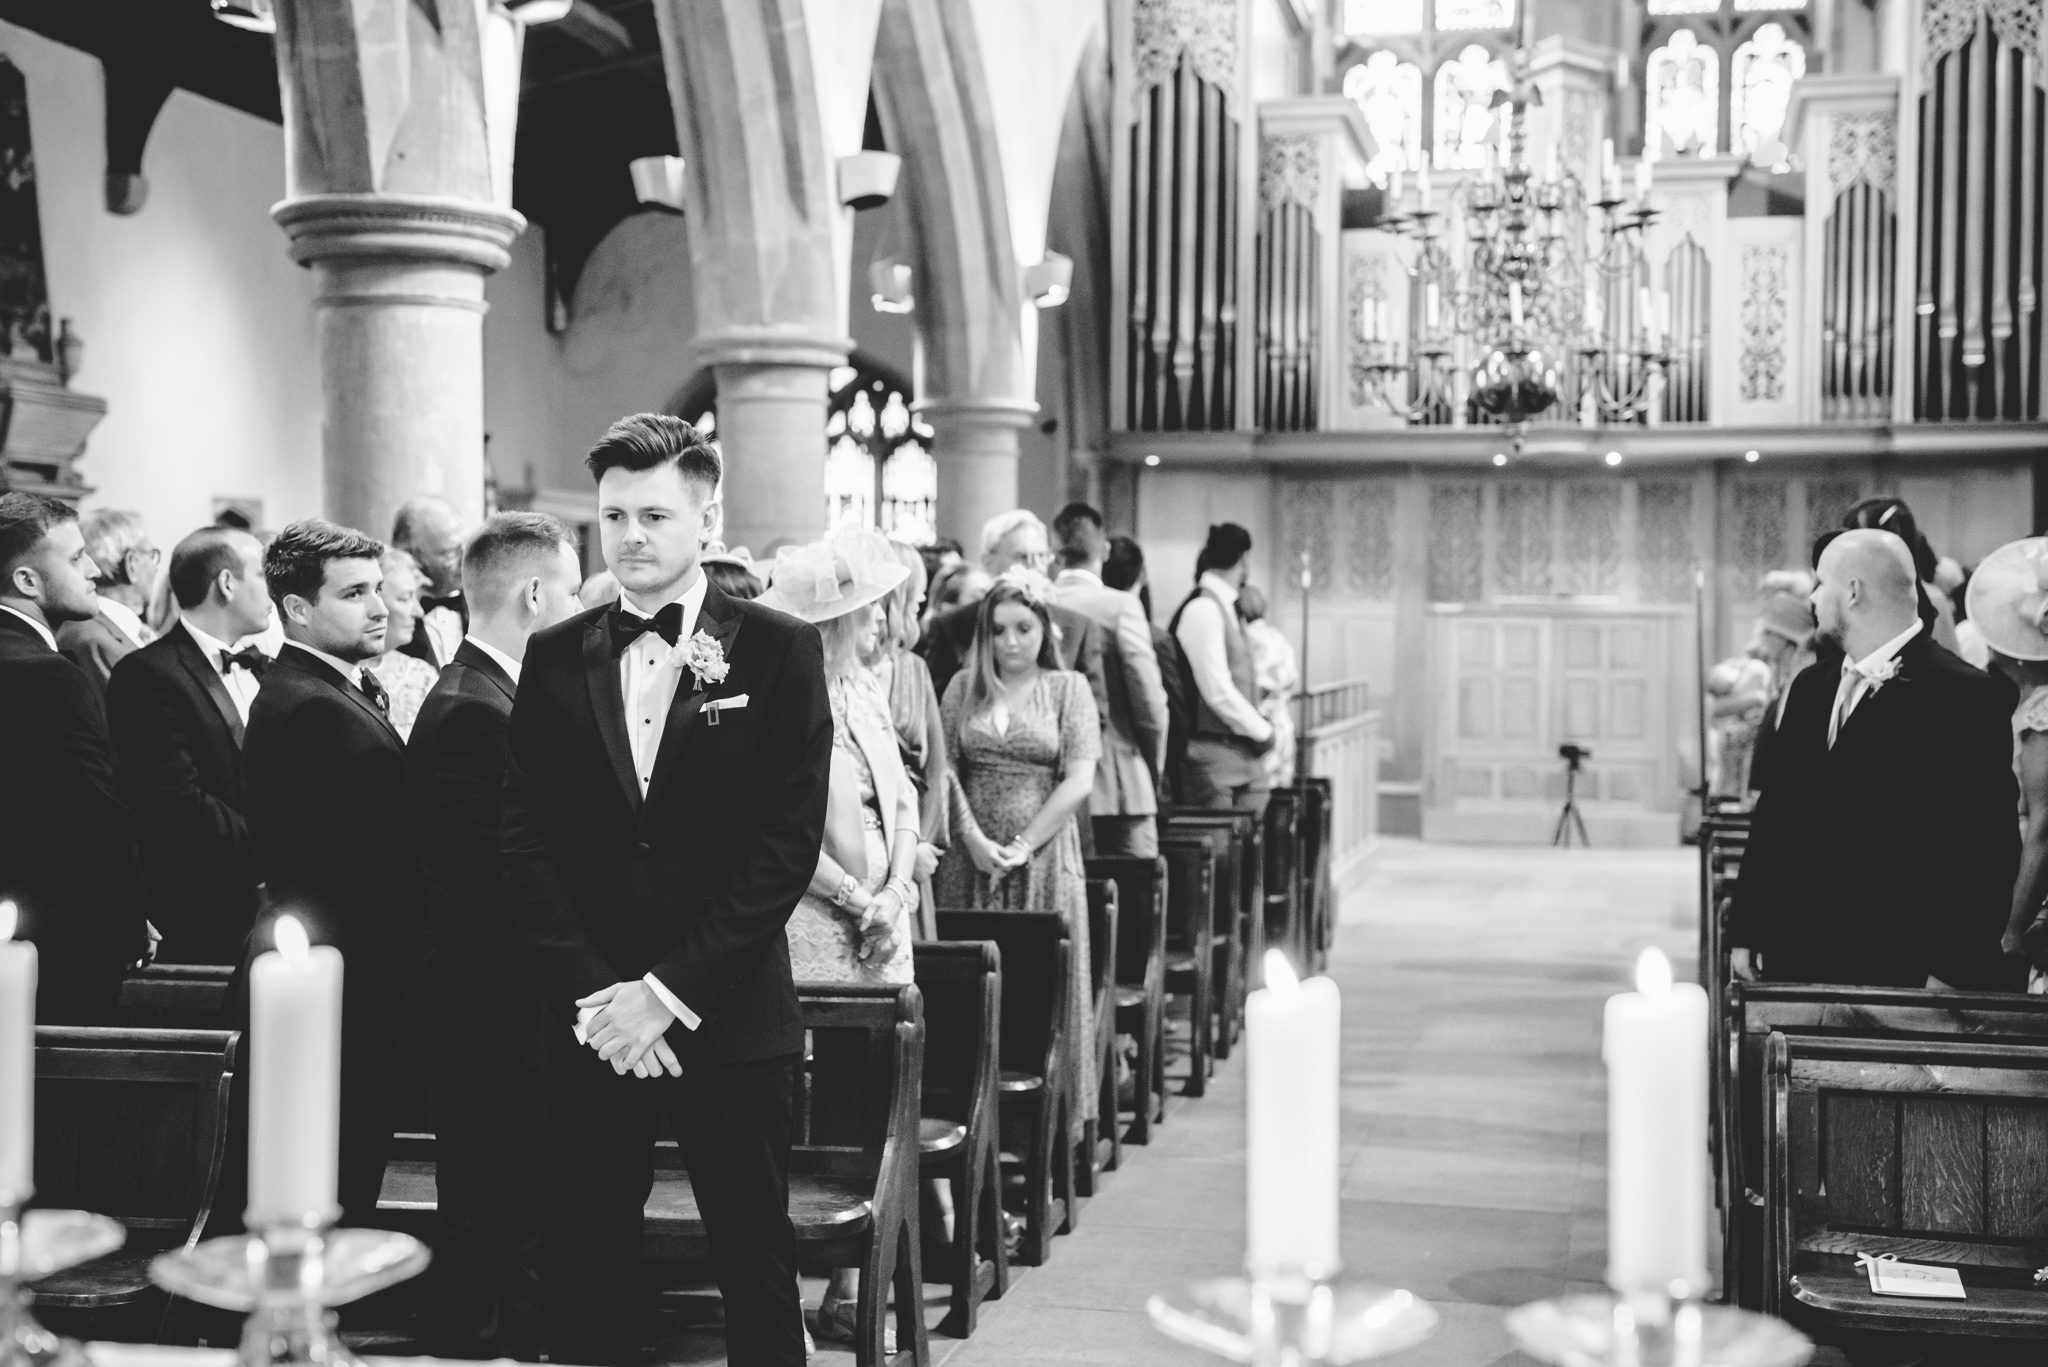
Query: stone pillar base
x=974, y=442
x=400, y=309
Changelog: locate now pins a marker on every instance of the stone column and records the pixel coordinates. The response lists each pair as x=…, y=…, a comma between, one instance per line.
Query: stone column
x=399, y=121
x=974, y=442
x=771, y=428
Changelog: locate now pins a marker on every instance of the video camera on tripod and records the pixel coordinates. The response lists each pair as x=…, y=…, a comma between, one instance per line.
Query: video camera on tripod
x=1569, y=820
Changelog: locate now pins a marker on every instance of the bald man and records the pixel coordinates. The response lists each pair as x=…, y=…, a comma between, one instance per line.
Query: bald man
x=1884, y=851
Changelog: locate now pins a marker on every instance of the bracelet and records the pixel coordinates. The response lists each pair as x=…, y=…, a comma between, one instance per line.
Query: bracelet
x=848, y=886
x=903, y=889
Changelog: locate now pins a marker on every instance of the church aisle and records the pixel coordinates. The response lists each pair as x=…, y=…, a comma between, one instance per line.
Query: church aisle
x=1474, y=1122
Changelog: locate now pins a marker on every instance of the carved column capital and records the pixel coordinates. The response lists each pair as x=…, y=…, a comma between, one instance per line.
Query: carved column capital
x=771, y=346
x=412, y=228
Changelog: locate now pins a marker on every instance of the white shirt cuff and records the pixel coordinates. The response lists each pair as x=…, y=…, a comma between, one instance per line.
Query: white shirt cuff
x=674, y=1004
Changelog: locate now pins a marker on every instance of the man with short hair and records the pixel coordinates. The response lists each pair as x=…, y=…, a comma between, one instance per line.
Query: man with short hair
x=1228, y=739
x=1884, y=850
x=1124, y=808
x=67, y=842
x=664, y=805
x=1017, y=539
x=429, y=529
x=520, y=573
x=324, y=770
x=126, y=558
x=179, y=708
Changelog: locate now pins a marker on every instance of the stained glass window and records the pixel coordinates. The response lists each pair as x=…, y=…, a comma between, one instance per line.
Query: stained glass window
x=1684, y=6
x=1388, y=92
x=1382, y=17
x=1474, y=14
x=1466, y=124
x=1760, y=86
x=1682, y=99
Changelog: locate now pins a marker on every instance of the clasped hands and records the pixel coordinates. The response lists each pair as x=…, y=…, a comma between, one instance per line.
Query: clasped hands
x=997, y=860
x=625, y=1023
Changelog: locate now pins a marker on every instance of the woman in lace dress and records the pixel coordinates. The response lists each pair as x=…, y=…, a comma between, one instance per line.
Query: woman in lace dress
x=1024, y=739
x=914, y=711
x=2009, y=602
x=407, y=678
x=854, y=924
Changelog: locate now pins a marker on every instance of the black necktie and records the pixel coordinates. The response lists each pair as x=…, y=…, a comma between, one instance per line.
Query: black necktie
x=628, y=627
x=373, y=689
x=248, y=657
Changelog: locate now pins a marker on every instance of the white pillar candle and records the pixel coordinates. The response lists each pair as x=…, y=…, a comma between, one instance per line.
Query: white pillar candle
x=1291, y=1035
x=1515, y=303
x=295, y=1079
x=1394, y=190
x=1655, y=1045
x=1422, y=181
x=17, y=1060
x=1643, y=178
x=1550, y=172
x=1429, y=302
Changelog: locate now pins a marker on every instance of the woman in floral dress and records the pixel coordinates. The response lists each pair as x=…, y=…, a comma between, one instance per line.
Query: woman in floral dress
x=1024, y=739
x=407, y=679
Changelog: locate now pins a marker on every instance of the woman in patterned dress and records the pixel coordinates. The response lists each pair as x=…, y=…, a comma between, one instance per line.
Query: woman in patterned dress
x=901, y=674
x=406, y=678
x=854, y=924
x=2008, y=600
x=1024, y=739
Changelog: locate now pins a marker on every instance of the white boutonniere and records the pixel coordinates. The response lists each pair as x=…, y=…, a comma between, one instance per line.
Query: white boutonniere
x=1879, y=674
x=703, y=656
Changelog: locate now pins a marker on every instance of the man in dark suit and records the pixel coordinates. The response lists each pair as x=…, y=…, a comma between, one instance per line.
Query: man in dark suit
x=663, y=814
x=67, y=842
x=1884, y=850
x=522, y=573
x=178, y=708
x=325, y=775
x=1018, y=538
x=428, y=529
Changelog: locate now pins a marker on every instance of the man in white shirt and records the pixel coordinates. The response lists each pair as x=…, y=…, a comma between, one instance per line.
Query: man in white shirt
x=179, y=708
x=429, y=529
x=1228, y=738
x=1124, y=808
x=127, y=559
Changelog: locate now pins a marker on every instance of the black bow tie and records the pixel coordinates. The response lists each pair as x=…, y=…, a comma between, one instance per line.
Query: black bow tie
x=628, y=627
x=451, y=601
x=248, y=657
x=373, y=689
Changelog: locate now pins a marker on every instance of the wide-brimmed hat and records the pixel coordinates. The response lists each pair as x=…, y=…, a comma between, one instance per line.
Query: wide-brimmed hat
x=825, y=579
x=2008, y=599
x=1784, y=606
x=716, y=553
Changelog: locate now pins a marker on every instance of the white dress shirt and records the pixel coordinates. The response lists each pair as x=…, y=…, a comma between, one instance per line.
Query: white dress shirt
x=49, y=637
x=1201, y=636
x=504, y=661
x=239, y=682
x=1856, y=684
x=444, y=632
x=126, y=621
x=647, y=683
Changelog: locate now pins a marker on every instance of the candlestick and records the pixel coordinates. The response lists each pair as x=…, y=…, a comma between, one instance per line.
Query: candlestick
x=34, y=1245
x=1655, y=1045
x=1643, y=319
x=1291, y=1033
x=17, y=1060
x=295, y=1079
x=1603, y=1331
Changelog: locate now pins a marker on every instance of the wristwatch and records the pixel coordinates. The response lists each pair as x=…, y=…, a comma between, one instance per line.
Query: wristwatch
x=848, y=886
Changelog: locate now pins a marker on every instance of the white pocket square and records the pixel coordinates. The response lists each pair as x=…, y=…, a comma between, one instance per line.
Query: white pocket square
x=727, y=704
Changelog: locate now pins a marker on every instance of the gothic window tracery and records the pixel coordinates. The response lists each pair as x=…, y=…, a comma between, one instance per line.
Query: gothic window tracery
x=1388, y=92
x=1760, y=87
x=1424, y=74
x=1718, y=75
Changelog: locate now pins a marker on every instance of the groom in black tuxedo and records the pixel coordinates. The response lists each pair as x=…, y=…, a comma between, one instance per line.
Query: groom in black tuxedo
x=324, y=770
x=1884, y=851
x=664, y=807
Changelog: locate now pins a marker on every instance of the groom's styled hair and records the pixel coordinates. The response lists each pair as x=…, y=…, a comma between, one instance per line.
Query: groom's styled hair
x=645, y=440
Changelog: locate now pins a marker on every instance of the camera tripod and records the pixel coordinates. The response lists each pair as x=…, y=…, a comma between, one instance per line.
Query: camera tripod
x=1568, y=819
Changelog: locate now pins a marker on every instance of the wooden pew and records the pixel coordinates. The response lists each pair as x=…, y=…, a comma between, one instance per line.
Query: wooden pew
x=1190, y=945
x=1933, y=1150
x=177, y=996
x=962, y=983
x=1807, y=1009
x=1318, y=827
x=1140, y=986
x=1033, y=1089
x=1285, y=927
x=1241, y=911
x=136, y=1125
x=1723, y=834
x=1101, y=1134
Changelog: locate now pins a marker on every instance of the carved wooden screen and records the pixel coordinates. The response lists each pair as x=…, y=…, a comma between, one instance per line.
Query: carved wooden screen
x=1181, y=373
x=1289, y=285
x=1981, y=267
x=24, y=300
x=1859, y=272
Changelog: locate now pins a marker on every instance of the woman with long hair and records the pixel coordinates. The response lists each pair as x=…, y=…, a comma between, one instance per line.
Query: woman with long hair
x=906, y=682
x=1024, y=737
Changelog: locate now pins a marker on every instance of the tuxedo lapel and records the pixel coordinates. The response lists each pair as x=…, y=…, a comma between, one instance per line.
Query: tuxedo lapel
x=1880, y=704
x=467, y=654
x=193, y=657
x=608, y=705
x=294, y=657
x=720, y=619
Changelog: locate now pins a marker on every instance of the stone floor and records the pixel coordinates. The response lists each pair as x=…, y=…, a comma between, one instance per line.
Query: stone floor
x=1473, y=1119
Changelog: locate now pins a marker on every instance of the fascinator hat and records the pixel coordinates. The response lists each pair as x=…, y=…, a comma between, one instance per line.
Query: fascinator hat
x=717, y=553
x=843, y=573
x=2008, y=599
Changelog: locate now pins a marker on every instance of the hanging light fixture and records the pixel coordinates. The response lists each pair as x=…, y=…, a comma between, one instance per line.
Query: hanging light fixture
x=253, y=16
x=658, y=181
x=1528, y=291
x=890, y=279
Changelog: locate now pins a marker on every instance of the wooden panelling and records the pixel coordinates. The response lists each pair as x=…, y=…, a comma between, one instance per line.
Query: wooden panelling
x=1860, y=1174
x=1941, y=1166
x=2016, y=1171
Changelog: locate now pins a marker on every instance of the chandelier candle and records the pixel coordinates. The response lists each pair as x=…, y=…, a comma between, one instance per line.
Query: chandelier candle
x=1655, y=1045
x=17, y=1062
x=1291, y=1124
x=295, y=1080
